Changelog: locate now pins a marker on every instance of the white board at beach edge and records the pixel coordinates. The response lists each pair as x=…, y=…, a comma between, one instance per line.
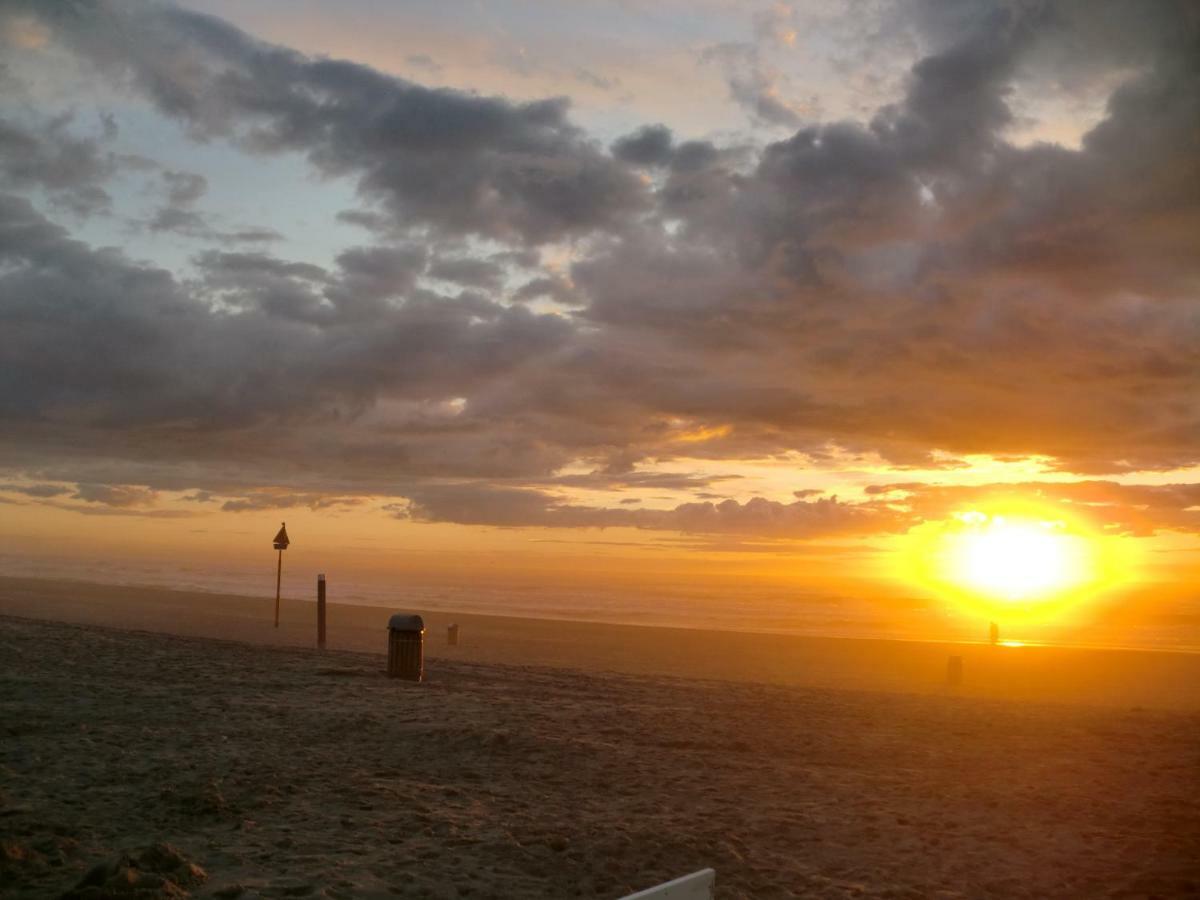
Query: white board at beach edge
x=697, y=886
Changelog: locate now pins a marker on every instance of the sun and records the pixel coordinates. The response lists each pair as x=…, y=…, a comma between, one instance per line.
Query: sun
x=1017, y=560
x=1020, y=563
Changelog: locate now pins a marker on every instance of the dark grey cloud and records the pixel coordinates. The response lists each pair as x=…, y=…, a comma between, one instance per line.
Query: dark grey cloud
x=548, y=287
x=619, y=479
x=368, y=276
x=469, y=272
x=254, y=234
x=519, y=258
x=1106, y=506
x=48, y=155
x=486, y=504
x=122, y=511
x=364, y=218
x=89, y=329
x=184, y=188
x=257, y=281
x=650, y=145
x=261, y=500
x=36, y=490
x=184, y=221
x=932, y=282
x=118, y=495
x=179, y=214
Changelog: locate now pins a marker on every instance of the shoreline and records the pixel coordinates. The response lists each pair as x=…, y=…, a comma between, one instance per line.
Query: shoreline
x=359, y=602
x=1107, y=677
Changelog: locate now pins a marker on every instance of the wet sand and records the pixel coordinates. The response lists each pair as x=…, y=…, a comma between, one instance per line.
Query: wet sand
x=182, y=765
x=1113, y=678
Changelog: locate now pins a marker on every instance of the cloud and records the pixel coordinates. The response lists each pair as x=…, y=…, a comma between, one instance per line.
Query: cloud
x=1114, y=508
x=47, y=155
x=456, y=162
x=902, y=283
x=551, y=287
x=257, y=350
x=755, y=84
x=424, y=61
x=24, y=32
x=184, y=188
x=595, y=80
x=41, y=491
x=650, y=145
x=1109, y=507
x=129, y=512
x=178, y=214
x=478, y=273
x=261, y=500
x=927, y=280
x=485, y=504
x=118, y=495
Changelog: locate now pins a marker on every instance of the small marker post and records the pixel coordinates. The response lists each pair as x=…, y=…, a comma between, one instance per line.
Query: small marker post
x=281, y=544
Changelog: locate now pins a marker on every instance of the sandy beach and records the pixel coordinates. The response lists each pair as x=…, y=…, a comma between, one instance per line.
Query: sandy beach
x=171, y=764
x=1120, y=678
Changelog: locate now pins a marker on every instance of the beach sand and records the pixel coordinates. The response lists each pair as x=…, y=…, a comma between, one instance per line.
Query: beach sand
x=1110, y=677
x=282, y=771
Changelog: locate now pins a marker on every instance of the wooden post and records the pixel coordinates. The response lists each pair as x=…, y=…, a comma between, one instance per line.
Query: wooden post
x=278, y=580
x=452, y=635
x=320, y=612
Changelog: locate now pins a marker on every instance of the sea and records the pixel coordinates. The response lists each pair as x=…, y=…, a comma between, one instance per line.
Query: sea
x=775, y=609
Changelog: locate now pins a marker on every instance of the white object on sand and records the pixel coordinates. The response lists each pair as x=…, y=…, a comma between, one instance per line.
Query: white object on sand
x=697, y=886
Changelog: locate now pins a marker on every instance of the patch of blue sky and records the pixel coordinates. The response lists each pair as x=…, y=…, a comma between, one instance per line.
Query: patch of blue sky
x=280, y=193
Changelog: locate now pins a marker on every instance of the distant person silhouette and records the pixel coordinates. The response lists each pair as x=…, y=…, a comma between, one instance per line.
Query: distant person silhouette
x=994, y=632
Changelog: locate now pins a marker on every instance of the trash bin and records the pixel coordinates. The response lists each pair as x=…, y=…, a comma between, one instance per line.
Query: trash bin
x=406, y=647
x=452, y=635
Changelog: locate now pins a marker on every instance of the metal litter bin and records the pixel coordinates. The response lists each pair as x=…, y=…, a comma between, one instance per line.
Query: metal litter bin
x=406, y=647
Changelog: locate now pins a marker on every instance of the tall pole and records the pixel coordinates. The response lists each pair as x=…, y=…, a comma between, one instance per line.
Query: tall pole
x=281, y=543
x=278, y=579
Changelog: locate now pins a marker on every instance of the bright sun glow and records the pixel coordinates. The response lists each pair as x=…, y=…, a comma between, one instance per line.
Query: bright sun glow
x=1018, y=563
x=1018, y=560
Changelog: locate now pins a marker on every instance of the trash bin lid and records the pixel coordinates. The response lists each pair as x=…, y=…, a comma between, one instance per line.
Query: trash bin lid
x=406, y=622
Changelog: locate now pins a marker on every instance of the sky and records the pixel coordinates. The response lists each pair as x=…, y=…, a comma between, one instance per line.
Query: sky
x=749, y=297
